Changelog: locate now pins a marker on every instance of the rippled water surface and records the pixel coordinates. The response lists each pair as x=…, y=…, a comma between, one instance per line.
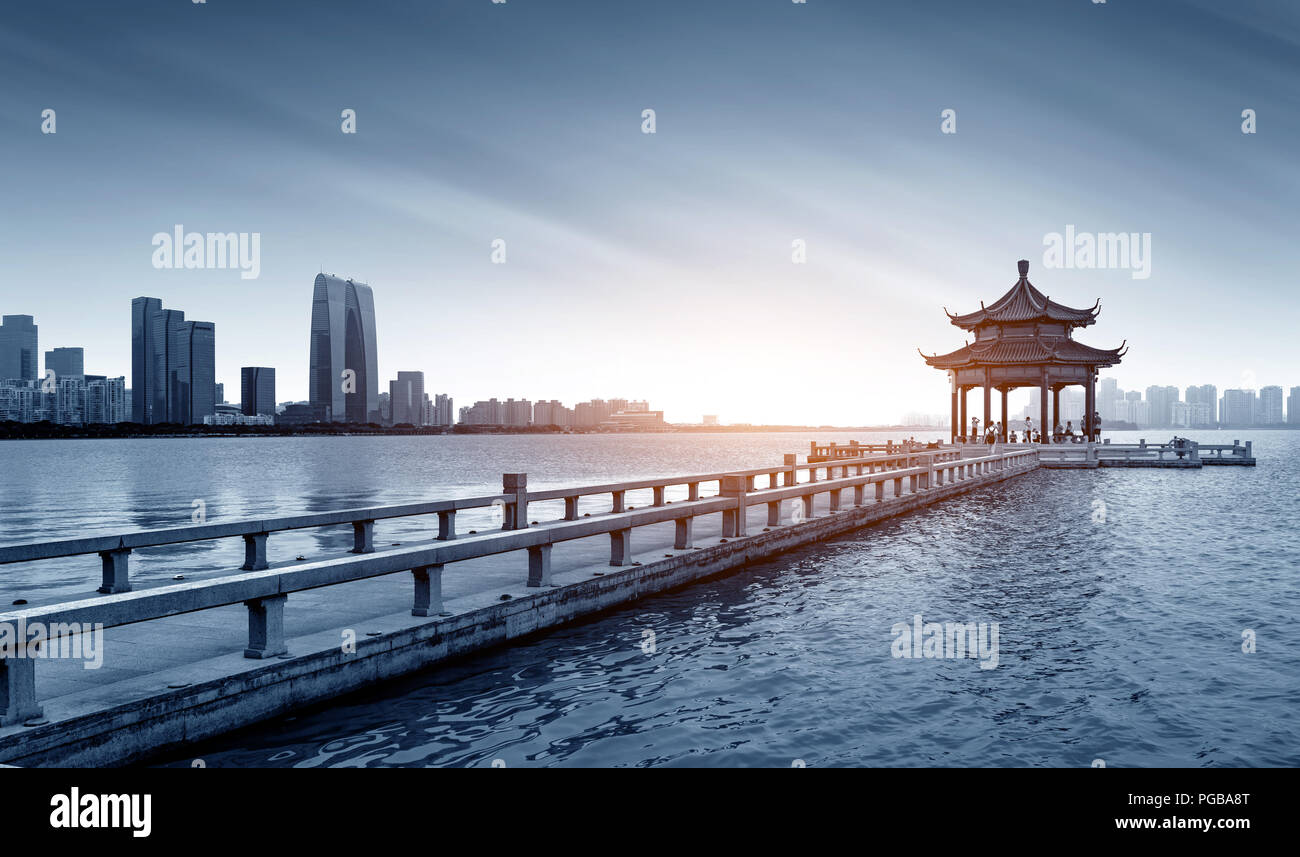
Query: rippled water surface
x=1119, y=639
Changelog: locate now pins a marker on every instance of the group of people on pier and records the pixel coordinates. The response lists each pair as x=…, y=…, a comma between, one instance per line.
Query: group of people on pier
x=1060, y=434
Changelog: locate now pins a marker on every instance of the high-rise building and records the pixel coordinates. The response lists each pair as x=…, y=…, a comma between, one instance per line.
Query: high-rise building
x=406, y=397
x=66, y=362
x=344, y=368
x=1293, y=406
x=257, y=390
x=489, y=413
x=106, y=400
x=442, y=410
x=143, y=311
x=173, y=365
x=1108, y=394
x=1208, y=395
x=221, y=394
x=18, y=355
x=1237, y=408
x=1161, y=401
x=518, y=412
x=1270, y=406
x=594, y=412
x=552, y=413
x=192, y=371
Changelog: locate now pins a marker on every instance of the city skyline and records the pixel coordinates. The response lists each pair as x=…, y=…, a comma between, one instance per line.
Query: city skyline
x=348, y=293
x=828, y=147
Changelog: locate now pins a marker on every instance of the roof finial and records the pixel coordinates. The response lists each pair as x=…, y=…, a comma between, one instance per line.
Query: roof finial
x=1023, y=265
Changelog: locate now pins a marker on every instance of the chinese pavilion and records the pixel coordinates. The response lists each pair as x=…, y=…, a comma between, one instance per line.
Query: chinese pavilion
x=1024, y=339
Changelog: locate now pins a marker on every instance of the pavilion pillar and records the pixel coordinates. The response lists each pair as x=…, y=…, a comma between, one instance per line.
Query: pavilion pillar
x=1044, y=428
x=1056, y=406
x=955, y=422
x=962, y=396
x=1089, y=404
x=988, y=401
x=1003, y=433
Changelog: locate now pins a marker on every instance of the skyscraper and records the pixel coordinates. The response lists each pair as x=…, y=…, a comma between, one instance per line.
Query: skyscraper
x=1293, y=406
x=143, y=311
x=1270, y=406
x=173, y=365
x=1237, y=408
x=66, y=362
x=344, y=372
x=1162, y=405
x=406, y=397
x=1208, y=395
x=18, y=356
x=442, y=410
x=257, y=390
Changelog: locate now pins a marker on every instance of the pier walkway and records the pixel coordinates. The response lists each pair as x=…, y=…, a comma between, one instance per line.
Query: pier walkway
x=186, y=661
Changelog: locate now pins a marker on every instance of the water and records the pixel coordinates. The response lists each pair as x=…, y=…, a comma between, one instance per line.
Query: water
x=1119, y=640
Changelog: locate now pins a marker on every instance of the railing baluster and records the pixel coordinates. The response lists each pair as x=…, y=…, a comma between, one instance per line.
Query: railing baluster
x=447, y=525
x=266, y=627
x=428, y=591
x=116, y=569
x=18, y=690
x=363, y=537
x=254, y=552
x=539, y=565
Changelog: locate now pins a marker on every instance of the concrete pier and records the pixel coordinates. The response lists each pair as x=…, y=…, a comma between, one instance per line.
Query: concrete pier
x=189, y=661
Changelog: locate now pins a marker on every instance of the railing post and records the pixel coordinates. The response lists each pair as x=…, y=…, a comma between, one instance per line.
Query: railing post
x=683, y=538
x=835, y=500
x=428, y=591
x=516, y=517
x=658, y=495
x=620, y=547
x=773, y=479
x=918, y=478
x=447, y=525
x=880, y=491
x=774, y=514
x=116, y=571
x=858, y=496
x=254, y=552
x=807, y=501
x=266, y=627
x=790, y=475
x=733, y=519
x=619, y=499
x=898, y=487
x=363, y=536
x=539, y=565
x=693, y=491
x=18, y=690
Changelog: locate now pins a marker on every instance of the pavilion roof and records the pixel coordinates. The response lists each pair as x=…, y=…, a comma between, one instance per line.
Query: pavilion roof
x=1025, y=303
x=1021, y=350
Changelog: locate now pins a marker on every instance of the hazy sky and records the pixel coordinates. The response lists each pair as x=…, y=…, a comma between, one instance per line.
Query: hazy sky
x=659, y=265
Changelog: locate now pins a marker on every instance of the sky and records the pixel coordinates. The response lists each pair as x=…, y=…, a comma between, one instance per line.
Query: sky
x=660, y=266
